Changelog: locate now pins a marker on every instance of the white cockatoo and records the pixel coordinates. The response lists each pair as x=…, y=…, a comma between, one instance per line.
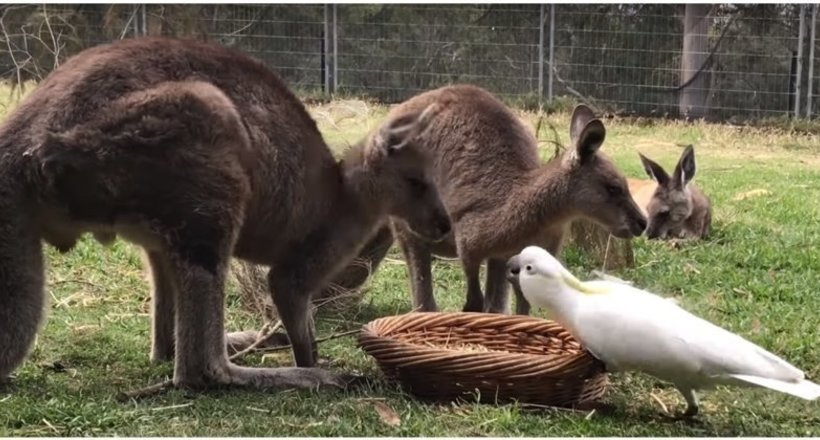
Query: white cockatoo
x=631, y=329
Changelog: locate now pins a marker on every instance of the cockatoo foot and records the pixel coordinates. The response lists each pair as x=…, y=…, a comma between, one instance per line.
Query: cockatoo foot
x=688, y=415
x=692, y=405
x=690, y=412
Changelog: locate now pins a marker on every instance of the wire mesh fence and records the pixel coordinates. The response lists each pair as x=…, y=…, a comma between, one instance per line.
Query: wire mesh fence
x=399, y=50
x=731, y=61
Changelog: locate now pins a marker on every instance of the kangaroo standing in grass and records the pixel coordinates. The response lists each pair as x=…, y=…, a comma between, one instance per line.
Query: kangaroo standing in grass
x=499, y=195
x=674, y=207
x=195, y=152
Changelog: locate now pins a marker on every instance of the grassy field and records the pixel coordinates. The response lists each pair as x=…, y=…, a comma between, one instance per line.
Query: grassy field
x=758, y=275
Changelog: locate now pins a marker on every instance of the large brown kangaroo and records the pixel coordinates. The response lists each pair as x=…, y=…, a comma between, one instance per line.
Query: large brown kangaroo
x=195, y=152
x=674, y=206
x=499, y=196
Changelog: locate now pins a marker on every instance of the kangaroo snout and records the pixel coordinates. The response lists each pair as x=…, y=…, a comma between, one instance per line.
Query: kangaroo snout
x=633, y=225
x=631, y=229
x=654, y=232
x=435, y=228
x=443, y=227
x=638, y=226
x=513, y=269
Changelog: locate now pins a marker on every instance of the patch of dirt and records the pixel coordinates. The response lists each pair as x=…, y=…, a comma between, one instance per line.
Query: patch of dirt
x=752, y=193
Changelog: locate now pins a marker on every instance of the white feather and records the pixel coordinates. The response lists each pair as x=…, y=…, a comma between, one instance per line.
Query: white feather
x=632, y=329
x=803, y=389
x=607, y=277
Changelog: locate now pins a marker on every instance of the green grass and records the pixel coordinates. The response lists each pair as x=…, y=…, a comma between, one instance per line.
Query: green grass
x=758, y=275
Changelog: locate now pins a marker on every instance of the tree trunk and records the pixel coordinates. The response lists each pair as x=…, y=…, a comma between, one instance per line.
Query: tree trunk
x=692, y=100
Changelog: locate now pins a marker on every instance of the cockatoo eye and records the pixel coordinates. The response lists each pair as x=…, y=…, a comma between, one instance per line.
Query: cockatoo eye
x=528, y=268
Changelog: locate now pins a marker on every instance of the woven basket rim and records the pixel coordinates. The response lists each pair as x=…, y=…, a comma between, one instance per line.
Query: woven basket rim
x=381, y=330
x=545, y=371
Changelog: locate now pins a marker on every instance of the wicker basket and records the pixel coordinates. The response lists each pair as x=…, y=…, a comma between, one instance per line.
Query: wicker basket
x=493, y=358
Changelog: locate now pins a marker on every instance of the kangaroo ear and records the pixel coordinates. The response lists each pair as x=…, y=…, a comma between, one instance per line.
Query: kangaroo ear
x=655, y=171
x=685, y=169
x=581, y=115
x=589, y=140
x=397, y=133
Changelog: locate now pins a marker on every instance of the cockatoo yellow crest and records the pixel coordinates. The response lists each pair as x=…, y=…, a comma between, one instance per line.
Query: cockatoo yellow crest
x=631, y=329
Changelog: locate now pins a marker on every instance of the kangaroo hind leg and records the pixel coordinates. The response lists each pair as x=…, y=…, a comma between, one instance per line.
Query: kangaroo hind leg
x=163, y=306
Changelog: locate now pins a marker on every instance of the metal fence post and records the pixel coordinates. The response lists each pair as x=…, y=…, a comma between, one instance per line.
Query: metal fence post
x=799, y=69
x=144, y=21
x=135, y=22
x=552, y=52
x=813, y=35
x=541, y=56
x=335, y=51
x=325, y=49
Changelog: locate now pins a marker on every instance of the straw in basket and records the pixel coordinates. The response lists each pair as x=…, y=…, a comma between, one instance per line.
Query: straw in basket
x=491, y=358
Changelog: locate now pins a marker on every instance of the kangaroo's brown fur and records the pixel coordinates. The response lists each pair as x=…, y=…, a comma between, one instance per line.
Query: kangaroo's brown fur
x=196, y=153
x=674, y=206
x=501, y=198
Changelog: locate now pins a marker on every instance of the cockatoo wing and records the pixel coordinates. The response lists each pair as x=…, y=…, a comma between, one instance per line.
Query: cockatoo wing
x=629, y=328
x=607, y=277
x=623, y=330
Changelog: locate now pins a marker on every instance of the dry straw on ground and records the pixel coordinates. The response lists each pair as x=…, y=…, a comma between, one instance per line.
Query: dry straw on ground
x=255, y=296
x=340, y=296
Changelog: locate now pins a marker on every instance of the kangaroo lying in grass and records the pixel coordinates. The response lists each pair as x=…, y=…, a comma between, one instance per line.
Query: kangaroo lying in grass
x=196, y=152
x=499, y=195
x=674, y=206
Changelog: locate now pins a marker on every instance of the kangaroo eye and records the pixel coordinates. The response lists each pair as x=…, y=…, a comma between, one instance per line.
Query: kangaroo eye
x=613, y=190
